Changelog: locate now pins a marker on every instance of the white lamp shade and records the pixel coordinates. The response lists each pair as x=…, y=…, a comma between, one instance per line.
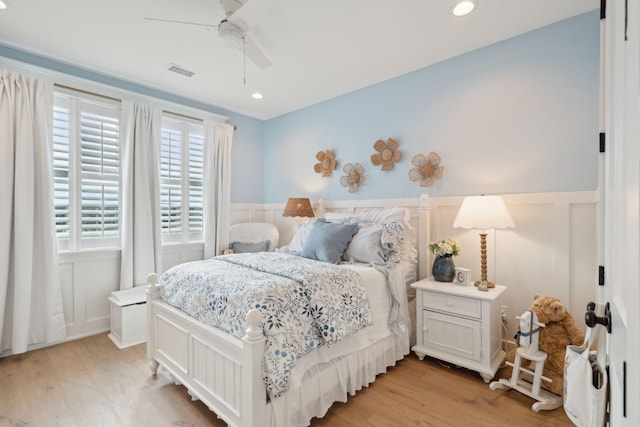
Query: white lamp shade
x=483, y=213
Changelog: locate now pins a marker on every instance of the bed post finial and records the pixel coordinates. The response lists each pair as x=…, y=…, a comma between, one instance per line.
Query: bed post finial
x=424, y=200
x=254, y=331
x=152, y=280
x=320, y=209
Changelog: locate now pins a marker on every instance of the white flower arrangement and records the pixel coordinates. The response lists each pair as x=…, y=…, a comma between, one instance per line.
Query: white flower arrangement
x=447, y=248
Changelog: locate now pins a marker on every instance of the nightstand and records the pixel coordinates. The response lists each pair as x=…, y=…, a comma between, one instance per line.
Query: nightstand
x=460, y=325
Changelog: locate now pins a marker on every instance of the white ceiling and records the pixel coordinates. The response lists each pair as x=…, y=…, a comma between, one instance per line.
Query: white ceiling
x=319, y=48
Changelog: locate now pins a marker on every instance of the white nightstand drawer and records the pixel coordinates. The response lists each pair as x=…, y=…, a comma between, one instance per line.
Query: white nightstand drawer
x=452, y=304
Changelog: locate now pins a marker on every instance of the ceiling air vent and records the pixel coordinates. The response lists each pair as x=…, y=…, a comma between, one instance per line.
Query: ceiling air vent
x=180, y=70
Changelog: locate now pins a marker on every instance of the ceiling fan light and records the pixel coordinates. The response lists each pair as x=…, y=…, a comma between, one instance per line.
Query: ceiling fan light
x=230, y=35
x=232, y=42
x=463, y=8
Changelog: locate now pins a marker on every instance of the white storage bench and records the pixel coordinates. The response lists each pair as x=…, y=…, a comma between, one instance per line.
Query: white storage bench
x=128, y=317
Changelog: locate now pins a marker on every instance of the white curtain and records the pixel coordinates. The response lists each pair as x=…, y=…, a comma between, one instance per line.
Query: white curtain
x=141, y=223
x=217, y=186
x=31, y=309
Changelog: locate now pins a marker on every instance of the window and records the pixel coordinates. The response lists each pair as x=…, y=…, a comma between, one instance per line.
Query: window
x=86, y=167
x=181, y=176
x=87, y=182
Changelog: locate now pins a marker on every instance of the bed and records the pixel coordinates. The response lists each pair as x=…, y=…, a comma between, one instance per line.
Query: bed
x=225, y=369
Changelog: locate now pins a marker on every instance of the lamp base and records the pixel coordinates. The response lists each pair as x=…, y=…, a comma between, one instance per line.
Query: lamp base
x=484, y=285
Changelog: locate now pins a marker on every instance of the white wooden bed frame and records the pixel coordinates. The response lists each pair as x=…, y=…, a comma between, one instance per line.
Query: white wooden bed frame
x=223, y=371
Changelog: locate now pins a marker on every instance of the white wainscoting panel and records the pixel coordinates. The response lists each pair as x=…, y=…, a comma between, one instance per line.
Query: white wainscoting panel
x=175, y=254
x=551, y=251
x=89, y=277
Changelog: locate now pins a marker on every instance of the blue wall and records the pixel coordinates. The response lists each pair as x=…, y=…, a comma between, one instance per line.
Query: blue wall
x=518, y=116
x=247, y=153
x=515, y=117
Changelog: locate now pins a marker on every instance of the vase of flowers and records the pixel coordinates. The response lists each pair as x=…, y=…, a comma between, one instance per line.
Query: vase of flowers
x=444, y=269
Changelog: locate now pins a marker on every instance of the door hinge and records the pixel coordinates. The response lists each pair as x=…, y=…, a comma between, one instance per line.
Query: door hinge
x=624, y=388
x=626, y=19
x=602, y=142
x=603, y=9
x=601, y=275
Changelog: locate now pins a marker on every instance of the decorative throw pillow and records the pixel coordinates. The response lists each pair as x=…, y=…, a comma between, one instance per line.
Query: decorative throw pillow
x=392, y=239
x=327, y=241
x=406, y=250
x=244, y=247
x=366, y=246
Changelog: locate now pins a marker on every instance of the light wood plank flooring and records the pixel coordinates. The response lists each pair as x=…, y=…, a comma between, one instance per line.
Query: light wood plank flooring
x=89, y=382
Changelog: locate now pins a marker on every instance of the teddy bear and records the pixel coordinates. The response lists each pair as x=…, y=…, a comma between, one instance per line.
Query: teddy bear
x=560, y=331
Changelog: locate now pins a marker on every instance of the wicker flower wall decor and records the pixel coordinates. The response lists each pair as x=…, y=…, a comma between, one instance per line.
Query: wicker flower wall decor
x=327, y=163
x=354, y=178
x=387, y=154
x=427, y=169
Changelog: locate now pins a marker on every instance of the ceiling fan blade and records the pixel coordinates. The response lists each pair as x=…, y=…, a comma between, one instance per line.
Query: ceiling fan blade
x=181, y=22
x=250, y=13
x=255, y=55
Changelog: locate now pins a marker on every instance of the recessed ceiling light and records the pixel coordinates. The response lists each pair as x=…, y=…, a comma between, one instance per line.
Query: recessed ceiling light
x=257, y=95
x=3, y=5
x=463, y=8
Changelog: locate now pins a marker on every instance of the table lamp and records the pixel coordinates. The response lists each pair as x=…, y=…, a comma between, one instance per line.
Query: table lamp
x=483, y=213
x=298, y=207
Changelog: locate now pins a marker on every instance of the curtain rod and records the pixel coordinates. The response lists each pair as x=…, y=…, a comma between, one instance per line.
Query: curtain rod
x=189, y=117
x=86, y=92
x=184, y=116
x=110, y=98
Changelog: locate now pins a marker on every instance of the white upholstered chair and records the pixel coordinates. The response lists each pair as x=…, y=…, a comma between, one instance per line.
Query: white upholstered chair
x=253, y=235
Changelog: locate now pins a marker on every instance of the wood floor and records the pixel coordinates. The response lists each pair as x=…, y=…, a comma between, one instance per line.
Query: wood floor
x=89, y=382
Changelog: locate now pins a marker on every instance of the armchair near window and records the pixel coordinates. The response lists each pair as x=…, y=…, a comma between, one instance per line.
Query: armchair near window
x=253, y=237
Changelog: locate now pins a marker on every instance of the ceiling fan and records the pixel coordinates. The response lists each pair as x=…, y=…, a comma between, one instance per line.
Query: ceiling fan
x=240, y=16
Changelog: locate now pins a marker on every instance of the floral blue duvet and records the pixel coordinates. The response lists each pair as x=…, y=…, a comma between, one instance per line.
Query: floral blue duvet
x=305, y=304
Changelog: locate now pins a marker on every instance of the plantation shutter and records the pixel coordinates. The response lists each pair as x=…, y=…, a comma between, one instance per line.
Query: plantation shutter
x=100, y=171
x=196, y=164
x=171, y=181
x=181, y=176
x=61, y=163
x=86, y=169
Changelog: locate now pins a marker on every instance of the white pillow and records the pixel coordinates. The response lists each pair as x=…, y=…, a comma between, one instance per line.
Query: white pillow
x=408, y=248
x=341, y=217
x=366, y=246
x=386, y=215
x=297, y=243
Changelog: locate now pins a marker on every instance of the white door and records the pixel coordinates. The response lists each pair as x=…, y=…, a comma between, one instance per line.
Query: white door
x=621, y=199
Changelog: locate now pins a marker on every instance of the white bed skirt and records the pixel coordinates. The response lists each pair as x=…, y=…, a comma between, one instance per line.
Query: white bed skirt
x=332, y=382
